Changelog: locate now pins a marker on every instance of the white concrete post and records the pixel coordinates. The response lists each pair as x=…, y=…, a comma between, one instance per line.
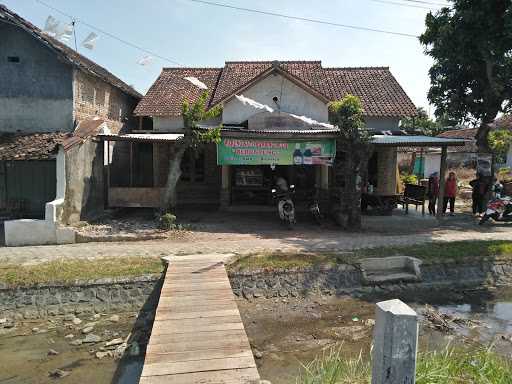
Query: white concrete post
x=395, y=340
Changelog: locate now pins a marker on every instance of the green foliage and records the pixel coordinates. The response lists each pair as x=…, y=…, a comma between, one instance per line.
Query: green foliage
x=424, y=123
x=500, y=141
x=347, y=115
x=450, y=366
x=470, y=43
x=409, y=179
x=193, y=114
x=167, y=221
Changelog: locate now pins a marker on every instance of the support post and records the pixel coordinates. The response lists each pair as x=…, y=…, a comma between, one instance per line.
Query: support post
x=395, y=341
x=442, y=182
x=225, y=191
x=131, y=164
x=156, y=166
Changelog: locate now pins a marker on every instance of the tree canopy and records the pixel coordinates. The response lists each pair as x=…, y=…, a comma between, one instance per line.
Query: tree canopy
x=424, y=123
x=471, y=44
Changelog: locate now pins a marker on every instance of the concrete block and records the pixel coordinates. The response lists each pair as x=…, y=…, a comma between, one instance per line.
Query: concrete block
x=395, y=341
x=390, y=269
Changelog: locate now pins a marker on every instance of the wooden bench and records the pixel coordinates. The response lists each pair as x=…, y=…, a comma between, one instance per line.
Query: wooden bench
x=415, y=195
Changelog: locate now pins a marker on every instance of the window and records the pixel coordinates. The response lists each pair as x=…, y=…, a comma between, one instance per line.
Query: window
x=192, y=167
x=87, y=92
x=13, y=59
x=100, y=97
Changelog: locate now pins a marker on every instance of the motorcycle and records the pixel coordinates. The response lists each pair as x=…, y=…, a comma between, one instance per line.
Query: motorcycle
x=285, y=206
x=314, y=208
x=499, y=209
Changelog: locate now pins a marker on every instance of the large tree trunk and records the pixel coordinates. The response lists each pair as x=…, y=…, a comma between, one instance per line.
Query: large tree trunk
x=170, y=198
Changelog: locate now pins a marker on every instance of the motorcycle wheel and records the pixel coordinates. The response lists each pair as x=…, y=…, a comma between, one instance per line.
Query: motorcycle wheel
x=484, y=219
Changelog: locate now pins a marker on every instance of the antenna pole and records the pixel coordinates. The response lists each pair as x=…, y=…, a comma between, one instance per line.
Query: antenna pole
x=74, y=33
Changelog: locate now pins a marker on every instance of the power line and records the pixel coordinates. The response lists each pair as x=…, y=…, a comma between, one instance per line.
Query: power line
x=427, y=3
x=402, y=4
x=112, y=36
x=316, y=21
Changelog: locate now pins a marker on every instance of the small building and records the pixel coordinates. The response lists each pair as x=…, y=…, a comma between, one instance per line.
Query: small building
x=54, y=99
x=274, y=123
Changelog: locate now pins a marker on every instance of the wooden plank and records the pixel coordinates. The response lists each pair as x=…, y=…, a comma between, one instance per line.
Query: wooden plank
x=160, y=329
x=231, y=334
x=205, y=354
x=234, y=376
x=168, y=314
x=197, y=366
x=191, y=294
x=162, y=345
x=197, y=321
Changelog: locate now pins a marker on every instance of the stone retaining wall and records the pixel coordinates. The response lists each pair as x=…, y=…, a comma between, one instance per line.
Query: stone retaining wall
x=347, y=279
x=98, y=296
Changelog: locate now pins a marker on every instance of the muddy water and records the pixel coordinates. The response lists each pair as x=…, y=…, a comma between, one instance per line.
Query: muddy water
x=25, y=358
x=287, y=333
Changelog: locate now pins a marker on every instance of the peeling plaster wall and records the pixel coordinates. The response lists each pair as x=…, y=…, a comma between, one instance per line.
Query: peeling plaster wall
x=85, y=189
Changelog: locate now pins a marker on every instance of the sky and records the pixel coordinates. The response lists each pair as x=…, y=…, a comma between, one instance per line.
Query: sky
x=201, y=35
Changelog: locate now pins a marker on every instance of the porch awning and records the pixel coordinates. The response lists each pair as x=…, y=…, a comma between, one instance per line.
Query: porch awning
x=143, y=137
x=416, y=141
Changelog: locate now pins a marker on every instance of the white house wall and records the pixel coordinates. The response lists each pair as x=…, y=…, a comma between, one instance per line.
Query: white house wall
x=167, y=124
x=292, y=99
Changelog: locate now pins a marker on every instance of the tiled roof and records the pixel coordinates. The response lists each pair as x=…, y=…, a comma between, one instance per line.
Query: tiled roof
x=83, y=131
x=379, y=91
x=35, y=146
x=67, y=53
x=463, y=133
x=503, y=122
x=167, y=93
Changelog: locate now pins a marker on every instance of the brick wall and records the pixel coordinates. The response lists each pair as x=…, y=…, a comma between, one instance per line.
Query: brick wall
x=94, y=97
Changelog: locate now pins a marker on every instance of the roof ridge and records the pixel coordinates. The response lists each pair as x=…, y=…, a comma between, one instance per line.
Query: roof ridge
x=69, y=54
x=352, y=68
x=272, y=61
x=188, y=68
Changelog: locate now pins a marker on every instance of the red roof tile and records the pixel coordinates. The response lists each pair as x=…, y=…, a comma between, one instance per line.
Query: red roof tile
x=379, y=91
x=35, y=146
x=67, y=53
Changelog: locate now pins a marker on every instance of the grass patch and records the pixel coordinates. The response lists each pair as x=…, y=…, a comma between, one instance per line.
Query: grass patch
x=428, y=252
x=68, y=271
x=450, y=366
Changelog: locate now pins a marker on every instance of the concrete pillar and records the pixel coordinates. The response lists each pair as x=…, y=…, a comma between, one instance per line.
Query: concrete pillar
x=395, y=340
x=225, y=189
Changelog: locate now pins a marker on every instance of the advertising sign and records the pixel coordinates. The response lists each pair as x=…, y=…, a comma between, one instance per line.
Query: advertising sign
x=231, y=151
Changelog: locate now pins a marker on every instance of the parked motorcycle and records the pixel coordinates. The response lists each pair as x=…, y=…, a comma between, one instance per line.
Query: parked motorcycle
x=285, y=206
x=314, y=208
x=499, y=209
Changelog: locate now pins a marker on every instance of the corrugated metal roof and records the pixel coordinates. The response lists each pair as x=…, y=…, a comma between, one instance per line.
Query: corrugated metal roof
x=143, y=137
x=416, y=141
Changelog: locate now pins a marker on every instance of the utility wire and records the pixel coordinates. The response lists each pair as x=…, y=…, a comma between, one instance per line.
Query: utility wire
x=112, y=36
x=428, y=3
x=403, y=4
x=286, y=16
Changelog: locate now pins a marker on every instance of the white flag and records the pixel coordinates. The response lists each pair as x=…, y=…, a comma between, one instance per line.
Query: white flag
x=65, y=33
x=146, y=60
x=90, y=41
x=198, y=83
x=51, y=26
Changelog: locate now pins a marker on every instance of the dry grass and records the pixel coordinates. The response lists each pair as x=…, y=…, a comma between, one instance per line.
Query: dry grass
x=69, y=271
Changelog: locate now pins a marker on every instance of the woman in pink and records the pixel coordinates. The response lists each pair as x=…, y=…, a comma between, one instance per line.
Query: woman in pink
x=450, y=192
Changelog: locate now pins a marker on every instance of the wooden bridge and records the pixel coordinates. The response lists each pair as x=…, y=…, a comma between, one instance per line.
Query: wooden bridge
x=198, y=335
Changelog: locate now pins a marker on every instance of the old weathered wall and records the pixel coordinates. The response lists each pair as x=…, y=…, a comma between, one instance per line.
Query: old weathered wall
x=386, y=171
x=36, y=93
x=84, y=182
x=382, y=123
x=96, y=98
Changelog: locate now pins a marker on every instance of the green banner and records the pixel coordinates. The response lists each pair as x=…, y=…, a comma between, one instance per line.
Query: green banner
x=232, y=151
